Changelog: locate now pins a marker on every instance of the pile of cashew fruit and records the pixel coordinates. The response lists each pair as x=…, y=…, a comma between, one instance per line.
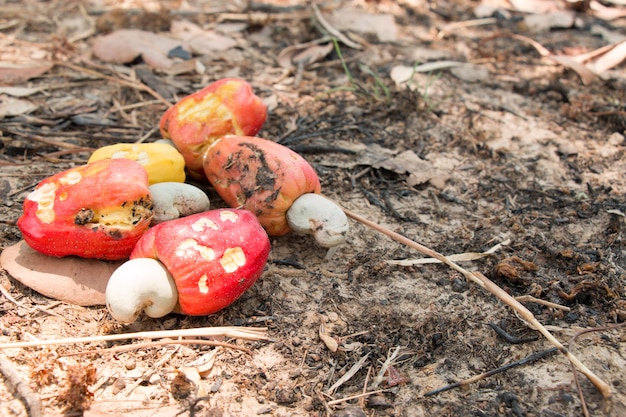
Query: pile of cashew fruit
x=131, y=202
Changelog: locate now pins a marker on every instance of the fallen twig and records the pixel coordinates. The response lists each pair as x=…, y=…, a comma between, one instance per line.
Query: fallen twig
x=510, y=338
x=246, y=333
x=29, y=398
x=354, y=397
x=487, y=284
x=572, y=341
x=530, y=358
x=134, y=346
x=531, y=299
x=332, y=30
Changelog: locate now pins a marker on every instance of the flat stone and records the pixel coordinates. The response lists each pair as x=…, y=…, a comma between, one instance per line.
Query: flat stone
x=70, y=279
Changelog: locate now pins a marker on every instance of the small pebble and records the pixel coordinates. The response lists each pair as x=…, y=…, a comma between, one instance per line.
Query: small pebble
x=285, y=396
x=130, y=364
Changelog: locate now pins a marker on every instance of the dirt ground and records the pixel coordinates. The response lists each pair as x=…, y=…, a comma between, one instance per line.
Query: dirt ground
x=499, y=146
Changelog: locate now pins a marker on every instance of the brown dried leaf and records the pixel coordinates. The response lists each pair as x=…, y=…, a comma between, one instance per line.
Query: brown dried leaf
x=537, y=6
x=606, y=13
x=330, y=342
x=200, y=41
x=18, y=72
x=586, y=75
x=125, y=45
x=512, y=269
x=420, y=171
x=612, y=58
x=304, y=53
x=73, y=280
x=382, y=25
x=11, y=106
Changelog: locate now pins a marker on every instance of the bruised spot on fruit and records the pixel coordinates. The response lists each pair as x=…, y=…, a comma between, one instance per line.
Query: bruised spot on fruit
x=141, y=210
x=84, y=216
x=116, y=234
x=44, y=197
x=203, y=224
x=202, y=284
x=230, y=216
x=272, y=197
x=233, y=259
x=72, y=177
x=191, y=244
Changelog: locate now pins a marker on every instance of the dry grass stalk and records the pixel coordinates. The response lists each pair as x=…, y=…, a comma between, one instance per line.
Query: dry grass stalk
x=233, y=332
x=487, y=284
x=346, y=377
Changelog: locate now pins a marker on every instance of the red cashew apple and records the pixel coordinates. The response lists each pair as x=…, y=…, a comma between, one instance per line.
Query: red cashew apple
x=98, y=210
x=261, y=176
x=227, y=106
x=196, y=265
x=277, y=185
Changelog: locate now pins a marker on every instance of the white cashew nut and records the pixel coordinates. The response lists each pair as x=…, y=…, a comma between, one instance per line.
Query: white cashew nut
x=141, y=284
x=316, y=215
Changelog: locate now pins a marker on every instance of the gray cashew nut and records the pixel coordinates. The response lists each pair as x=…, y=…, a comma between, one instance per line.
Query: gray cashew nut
x=172, y=200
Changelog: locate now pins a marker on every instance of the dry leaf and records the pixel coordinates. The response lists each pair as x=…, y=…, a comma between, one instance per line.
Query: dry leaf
x=420, y=171
x=18, y=72
x=204, y=364
x=198, y=40
x=537, y=6
x=458, y=257
x=333, y=30
x=304, y=53
x=586, y=75
x=553, y=20
x=606, y=13
x=330, y=342
x=610, y=59
x=383, y=26
x=21, y=91
x=126, y=45
x=587, y=65
x=10, y=106
x=73, y=280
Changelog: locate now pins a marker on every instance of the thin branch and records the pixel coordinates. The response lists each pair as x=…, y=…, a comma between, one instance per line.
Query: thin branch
x=484, y=282
x=531, y=299
x=246, y=333
x=29, y=398
x=354, y=397
x=135, y=346
x=572, y=342
x=531, y=358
